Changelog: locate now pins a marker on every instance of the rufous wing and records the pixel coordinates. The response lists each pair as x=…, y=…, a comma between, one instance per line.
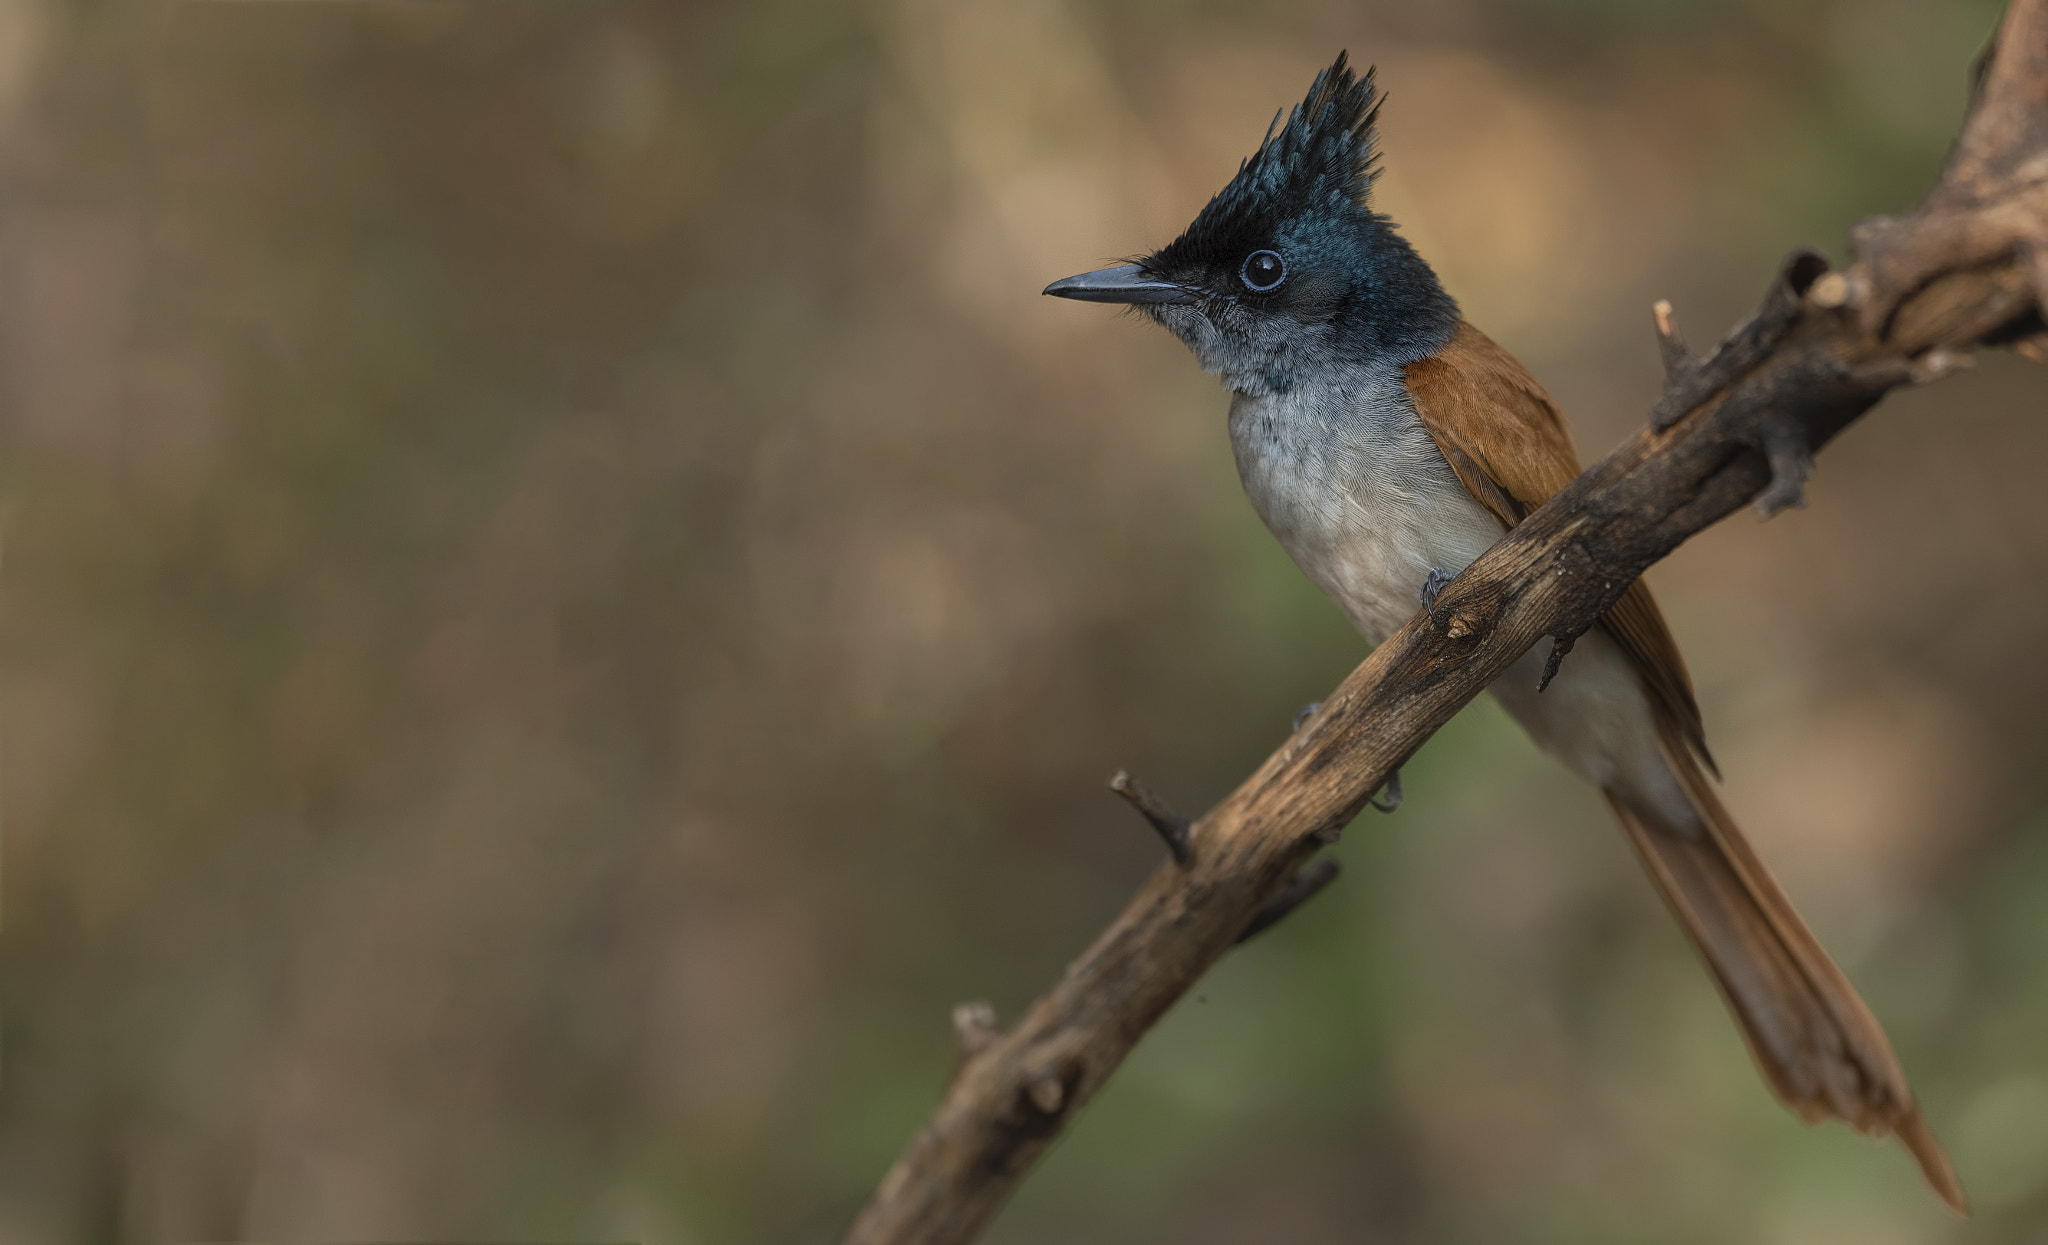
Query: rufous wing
x=1508, y=444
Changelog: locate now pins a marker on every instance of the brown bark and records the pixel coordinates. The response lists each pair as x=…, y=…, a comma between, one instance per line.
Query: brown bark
x=1968, y=268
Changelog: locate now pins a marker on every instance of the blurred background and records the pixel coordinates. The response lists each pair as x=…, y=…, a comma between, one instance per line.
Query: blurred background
x=565, y=599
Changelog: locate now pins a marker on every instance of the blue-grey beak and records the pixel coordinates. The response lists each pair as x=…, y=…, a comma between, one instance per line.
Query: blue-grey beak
x=1124, y=283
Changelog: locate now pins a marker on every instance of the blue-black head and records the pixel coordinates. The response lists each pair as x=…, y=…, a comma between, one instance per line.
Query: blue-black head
x=1288, y=271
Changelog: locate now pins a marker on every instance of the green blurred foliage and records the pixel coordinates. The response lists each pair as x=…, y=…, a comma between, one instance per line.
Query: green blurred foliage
x=566, y=599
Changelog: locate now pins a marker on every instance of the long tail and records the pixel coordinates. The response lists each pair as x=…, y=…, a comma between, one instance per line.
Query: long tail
x=1818, y=1046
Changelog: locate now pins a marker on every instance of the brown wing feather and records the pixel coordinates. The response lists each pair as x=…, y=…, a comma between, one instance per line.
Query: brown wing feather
x=1508, y=445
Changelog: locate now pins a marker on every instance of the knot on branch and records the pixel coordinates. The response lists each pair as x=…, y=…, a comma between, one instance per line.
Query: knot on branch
x=1050, y=1091
x=1466, y=615
x=1172, y=827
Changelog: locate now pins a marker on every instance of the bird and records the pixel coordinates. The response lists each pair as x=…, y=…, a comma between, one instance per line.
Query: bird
x=1387, y=442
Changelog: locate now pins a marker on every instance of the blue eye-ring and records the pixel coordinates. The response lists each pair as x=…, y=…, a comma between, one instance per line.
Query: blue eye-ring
x=1262, y=271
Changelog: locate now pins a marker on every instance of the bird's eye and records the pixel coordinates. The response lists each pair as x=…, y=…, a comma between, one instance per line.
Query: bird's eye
x=1262, y=271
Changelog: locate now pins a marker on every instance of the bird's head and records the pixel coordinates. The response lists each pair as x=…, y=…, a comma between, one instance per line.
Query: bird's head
x=1288, y=270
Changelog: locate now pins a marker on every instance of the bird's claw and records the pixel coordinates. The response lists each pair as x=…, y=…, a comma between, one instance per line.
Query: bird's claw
x=1430, y=588
x=1393, y=794
x=1306, y=712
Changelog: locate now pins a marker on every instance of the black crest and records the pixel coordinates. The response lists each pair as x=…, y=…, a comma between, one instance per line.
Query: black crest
x=1322, y=162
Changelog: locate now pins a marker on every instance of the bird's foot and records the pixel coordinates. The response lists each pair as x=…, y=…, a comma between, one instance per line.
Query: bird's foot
x=1430, y=588
x=1392, y=792
x=1306, y=712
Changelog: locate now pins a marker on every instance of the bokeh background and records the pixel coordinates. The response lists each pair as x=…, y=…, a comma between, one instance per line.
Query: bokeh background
x=565, y=598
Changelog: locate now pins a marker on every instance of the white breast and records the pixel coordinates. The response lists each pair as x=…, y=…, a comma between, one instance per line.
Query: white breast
x=1350, y=482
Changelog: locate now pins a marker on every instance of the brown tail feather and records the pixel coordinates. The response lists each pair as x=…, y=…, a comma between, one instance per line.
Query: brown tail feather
x=1818, y=1046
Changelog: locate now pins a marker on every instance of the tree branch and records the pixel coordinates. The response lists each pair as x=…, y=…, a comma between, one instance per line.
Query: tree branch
x=1968, y=268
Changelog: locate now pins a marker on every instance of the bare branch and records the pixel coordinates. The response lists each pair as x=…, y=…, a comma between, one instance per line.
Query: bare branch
x=1740, y=425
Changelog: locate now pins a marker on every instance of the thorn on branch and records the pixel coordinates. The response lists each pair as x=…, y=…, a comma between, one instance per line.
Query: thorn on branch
x=975, y=1023
x=1678, y=357
x=1298, y=890
x=1559, y=646
x=1750, y=344
x=1791, y=467
x=1171, y=826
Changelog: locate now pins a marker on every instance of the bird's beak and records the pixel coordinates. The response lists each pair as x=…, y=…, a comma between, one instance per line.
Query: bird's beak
x=1124, y=283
